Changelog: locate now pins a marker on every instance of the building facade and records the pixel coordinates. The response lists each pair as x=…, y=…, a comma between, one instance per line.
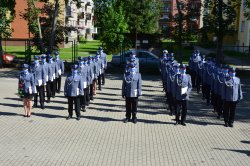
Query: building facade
x=79, y=19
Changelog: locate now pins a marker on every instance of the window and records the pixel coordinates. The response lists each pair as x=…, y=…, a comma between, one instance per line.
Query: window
x=242, y=28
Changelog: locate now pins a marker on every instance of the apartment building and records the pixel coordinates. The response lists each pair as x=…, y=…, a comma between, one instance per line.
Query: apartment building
x=80, y=19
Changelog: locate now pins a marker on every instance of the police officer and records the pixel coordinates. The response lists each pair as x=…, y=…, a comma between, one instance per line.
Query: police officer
x=220, y=90
x=183, y=88
x=135, y=60
x=60, y=71
x=72, y=90
x=38, y=72
x=52, y=77
x=233, y=94
x=103, y=57
x=162, y=66
x=100, y=69
x=91, y=78
x=83, y=73
x=131, y=90
x=45, y=76
x=26, y=89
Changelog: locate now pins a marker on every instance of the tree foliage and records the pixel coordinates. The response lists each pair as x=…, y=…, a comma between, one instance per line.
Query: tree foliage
x=220, y=20
x=116, y=18
x=7, y=15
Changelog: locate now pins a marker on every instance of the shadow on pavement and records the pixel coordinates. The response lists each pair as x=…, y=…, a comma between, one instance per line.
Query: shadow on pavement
x=9, y=114
x=47, y=115
x=247, y=152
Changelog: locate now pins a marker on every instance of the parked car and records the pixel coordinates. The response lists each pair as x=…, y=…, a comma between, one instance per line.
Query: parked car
x=8, y=59
x=146, y=58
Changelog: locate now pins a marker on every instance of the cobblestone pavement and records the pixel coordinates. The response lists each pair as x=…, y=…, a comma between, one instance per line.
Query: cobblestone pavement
x=101, y=138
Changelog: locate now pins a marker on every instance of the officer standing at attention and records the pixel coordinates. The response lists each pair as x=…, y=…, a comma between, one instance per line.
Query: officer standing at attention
x=45, y=75
x=103, y=57
x=38, y=72
x=52, y=76
x=26, y=89
x=233, y=94
x=83, y=73
x=72, y=89
x=131, y=90
x=183, y=88
x=60, y=72
x=162, y=67
x=133, y=58
x=100, y=70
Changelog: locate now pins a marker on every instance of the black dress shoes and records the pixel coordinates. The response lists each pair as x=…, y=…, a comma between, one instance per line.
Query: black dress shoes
x=230, y=125
x=134, y=120
x=69, y=117
x=183, y=124
x=226, y=124
x=126, y=120
x=78, y=118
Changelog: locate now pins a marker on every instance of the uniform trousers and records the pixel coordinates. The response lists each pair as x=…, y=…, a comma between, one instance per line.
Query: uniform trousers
x=58, y=84
x=198, y=83
x=51, y=89
x=76, y=102
x=82, y=101
x=86, y=94
x=229, y=111
x=219, y=105
x=40, y=92
x=181, y=110
x=91, y=89
x=103, y=77
x=131, y=107
x=207, y=93
x=213, y=100
x=99, y=82
x=171, y=103
x=94, y=86
x=193, y=77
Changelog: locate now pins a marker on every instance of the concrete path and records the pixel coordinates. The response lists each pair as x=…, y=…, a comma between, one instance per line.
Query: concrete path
x=101, y=138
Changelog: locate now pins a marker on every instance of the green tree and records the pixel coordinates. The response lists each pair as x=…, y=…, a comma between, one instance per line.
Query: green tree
x=114, y=28
x=220, y=19
x=7, y=14
x=143, y=16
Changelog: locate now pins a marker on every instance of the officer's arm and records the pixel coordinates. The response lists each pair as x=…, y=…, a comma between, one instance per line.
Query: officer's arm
x=240, y=92
x=65, y=88
x=44, y=76
x=189, y=84
x=139, y=84
x=62, y=67
x=81, y=88
x=32, y=82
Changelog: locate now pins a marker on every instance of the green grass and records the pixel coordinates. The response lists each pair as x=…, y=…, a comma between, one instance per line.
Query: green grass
x=84, y=49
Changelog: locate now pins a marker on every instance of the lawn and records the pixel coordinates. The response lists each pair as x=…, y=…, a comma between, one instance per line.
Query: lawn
x=84, y=49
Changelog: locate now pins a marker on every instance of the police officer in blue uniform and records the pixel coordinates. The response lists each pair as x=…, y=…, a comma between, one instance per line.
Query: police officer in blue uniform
x=45, y=76
x=26, y=89
x=83, y=73
x=91, y=78
x=60, y=72
x=183, y=88
x=134, y=59
x=52, y=75
x=72, y=90
x=162, y=66
x=38, y=72
x=103, y=57
x=233, y=94
x=131, y=90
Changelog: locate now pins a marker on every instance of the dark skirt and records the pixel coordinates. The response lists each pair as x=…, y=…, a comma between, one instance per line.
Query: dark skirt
x=27, y=96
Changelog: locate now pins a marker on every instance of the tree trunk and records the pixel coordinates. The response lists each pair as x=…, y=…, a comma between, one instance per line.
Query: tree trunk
x=180, y=29
x=219, y=56
x=40, y=30
x=53, y=29
x=1, y=52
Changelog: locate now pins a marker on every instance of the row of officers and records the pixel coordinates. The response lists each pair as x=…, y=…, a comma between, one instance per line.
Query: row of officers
x=219, y=84
x=79, y=88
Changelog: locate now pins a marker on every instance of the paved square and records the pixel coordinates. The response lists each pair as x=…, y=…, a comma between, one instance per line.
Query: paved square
x=101, y=138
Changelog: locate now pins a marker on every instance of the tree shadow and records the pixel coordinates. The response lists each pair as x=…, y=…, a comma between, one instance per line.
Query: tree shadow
x=246, y=142
x=104, y=109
